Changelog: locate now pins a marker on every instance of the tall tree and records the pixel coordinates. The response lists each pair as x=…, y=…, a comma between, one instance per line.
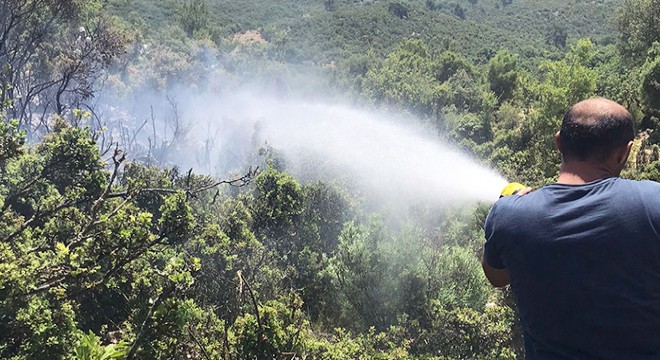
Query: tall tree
x=650, y=86
x=556, y=36
x=193, y=16
x=50, y=58
x=407, y=78
x=503, y=74
x=639, y=24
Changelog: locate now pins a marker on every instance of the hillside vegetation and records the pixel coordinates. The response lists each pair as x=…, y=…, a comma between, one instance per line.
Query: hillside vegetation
x=332, y=30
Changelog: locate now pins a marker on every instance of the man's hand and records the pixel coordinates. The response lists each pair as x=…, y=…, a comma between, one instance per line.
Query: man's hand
x=496, y=277
x=525, y=191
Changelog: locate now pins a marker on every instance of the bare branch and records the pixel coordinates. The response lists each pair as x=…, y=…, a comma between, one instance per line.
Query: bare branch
x=239, y=182
x=191, y=193
x=201, y=347
x=254, y=304
x=147, y=320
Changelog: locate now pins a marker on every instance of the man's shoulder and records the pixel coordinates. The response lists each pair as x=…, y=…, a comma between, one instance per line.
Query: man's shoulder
x=642, y=184
x=613, y=184
x=552, y=196
x=519, y=208
x=526, y=202
x=646, y=189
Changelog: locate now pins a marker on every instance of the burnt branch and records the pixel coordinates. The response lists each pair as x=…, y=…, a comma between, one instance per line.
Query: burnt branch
x=242, y=181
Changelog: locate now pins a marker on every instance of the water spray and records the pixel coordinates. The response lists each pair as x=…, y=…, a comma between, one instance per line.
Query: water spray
x=388, y=159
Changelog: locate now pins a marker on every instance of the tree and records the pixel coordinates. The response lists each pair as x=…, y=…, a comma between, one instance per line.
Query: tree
x=449, y=63
x=330, y=5
x=469, y=130
x=277, y=209
x=564, y=83
x=459, y=333
x=51, y=59
x=637, y=21
x=106, y=251
x=26, y=25
x=651, y=171
x=76, y=69
x=360, y=267
x=193, y=16
x=398, y=9
x=406, y=78
x=458, y=11
x=650, y=86
x=467, y=94
x=431, y=5
x=556, y=36
x=503, y=74
x=76, y=233
x=568, y=81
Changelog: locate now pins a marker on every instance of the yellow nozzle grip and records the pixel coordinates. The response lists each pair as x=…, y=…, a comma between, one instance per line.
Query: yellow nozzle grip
x=512, y=189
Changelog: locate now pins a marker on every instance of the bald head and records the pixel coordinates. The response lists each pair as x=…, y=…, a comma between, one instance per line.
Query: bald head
x=592, y=111
x=592, y=129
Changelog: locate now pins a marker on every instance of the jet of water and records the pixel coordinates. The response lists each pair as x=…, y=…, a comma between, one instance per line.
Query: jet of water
x=395, y=160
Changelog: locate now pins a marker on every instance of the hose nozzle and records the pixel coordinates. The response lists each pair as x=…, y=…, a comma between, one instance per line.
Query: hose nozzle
x=512, y=189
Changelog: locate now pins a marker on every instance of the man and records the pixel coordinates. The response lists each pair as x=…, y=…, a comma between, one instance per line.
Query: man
x=582, y=255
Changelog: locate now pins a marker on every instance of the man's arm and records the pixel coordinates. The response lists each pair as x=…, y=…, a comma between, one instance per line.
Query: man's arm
x=497, y=277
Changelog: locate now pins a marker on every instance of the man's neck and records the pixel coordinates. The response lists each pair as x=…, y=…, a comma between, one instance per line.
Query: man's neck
x=581, y=172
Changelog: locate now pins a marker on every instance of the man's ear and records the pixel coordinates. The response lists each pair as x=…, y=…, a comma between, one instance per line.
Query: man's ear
x=558, y=140
x=624, y=153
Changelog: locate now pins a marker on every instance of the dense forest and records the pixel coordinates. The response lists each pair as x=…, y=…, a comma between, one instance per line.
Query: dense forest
x=125, y=236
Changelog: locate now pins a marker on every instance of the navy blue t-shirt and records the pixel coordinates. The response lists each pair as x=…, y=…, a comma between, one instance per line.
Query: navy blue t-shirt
x=584, y=265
